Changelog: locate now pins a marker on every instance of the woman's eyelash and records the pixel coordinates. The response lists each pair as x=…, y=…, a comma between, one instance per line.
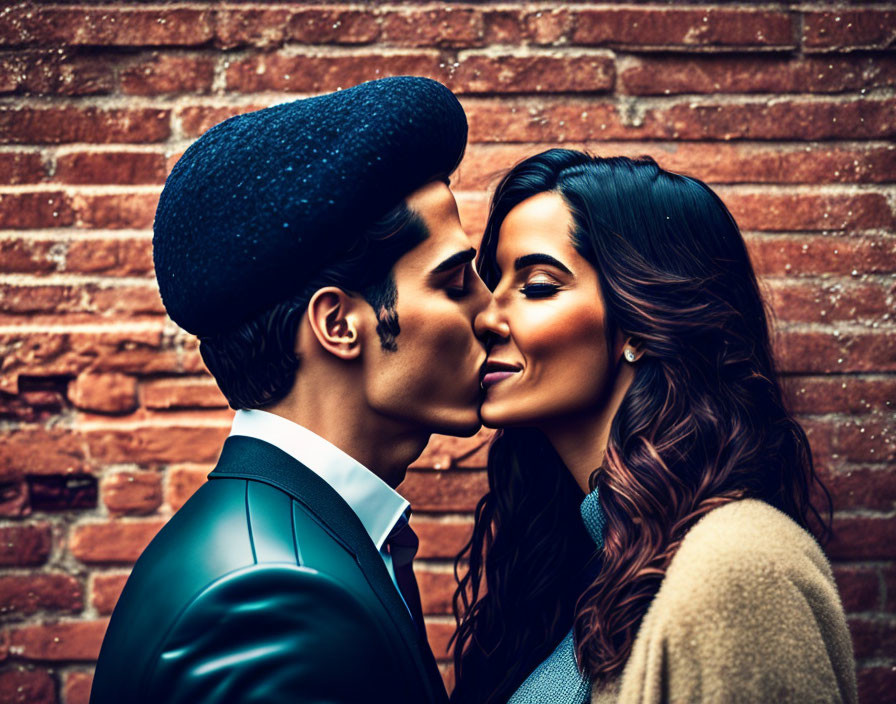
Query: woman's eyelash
x=539, y=289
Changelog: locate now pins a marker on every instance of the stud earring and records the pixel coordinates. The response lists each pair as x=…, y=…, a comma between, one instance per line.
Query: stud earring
x=630, y=355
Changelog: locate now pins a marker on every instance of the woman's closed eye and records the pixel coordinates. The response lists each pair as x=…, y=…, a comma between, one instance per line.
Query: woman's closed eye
x=539, y=288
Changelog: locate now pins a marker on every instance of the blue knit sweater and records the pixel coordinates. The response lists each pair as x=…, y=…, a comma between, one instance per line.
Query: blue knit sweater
x=557, y=679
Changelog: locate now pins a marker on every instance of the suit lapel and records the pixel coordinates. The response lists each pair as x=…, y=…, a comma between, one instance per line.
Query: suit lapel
x=249, y=458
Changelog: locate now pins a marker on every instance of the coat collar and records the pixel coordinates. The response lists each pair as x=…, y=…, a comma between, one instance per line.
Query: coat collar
x=248, y=458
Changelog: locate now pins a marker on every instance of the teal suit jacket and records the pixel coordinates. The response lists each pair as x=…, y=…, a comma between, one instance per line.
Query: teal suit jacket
x=264, y=587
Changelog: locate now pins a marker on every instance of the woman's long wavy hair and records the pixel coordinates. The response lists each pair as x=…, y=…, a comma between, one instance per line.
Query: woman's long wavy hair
x=702, y=424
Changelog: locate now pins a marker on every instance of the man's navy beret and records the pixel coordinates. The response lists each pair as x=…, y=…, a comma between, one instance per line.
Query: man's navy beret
x=263, y=201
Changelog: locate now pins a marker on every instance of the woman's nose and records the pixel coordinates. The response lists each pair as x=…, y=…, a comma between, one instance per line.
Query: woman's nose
x=490, y=323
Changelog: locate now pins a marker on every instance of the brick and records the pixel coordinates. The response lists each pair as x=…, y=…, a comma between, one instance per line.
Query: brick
x=756, y=74
x=117, y=349
x=810, y=255
x=125, y=300
x=38, y=209
x=25, y=544
x=852, y=487
x=21, y=167
x=164, y=73
x=446, y=669
x=441, y=26
x=436, y=590
x=60, y=125
x=859, y=587
x=115, y=211
x=106, y=26
x=104, y=393
x=443, y=491
x=106, y=588
x=828, y=301
x=441, y=537
x=152, y=444
x=76, y=687
x=326, y=72
x=110, y=167
x=814, y=352
x=445, y=452
x=876, y=683
x=196, y=119
x=55, y=73
x=132, y=493
x=549, y=119
x=182, y=393
x=438, y=633
x=808, y=211
x=70, y=492
x=26, y=685
x=511, y=26
x=14, y=499
x=864, y=28
x=112, y=542
x=487, y=73
x=23, y=594
x=843, y=394
x=39, y=450
x=22, y=254
x=872, y=638
x=83, y=303
x=691, y=28
x=118, y=256
x=267, y=27
x=862, y=538
x=889, y=580
x=183, y=481
x=867, y=439
x=483, y=164
x=31, y=406
x=72, y=640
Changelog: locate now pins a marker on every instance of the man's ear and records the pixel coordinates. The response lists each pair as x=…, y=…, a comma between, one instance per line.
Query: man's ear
x=335, y=320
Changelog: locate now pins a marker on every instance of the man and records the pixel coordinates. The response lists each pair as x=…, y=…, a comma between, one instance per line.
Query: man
x=315, y=249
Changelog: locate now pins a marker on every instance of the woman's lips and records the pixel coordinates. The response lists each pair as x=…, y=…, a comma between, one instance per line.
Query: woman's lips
x=497, y=372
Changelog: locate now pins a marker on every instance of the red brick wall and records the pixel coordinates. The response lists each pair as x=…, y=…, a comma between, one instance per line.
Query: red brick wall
x=109, y=420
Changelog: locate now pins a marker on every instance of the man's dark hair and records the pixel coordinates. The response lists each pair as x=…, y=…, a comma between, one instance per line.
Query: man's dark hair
x=255, y=363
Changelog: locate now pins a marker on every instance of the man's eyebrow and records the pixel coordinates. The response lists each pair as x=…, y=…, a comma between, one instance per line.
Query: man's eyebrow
x=533, y=259
x=455, y=260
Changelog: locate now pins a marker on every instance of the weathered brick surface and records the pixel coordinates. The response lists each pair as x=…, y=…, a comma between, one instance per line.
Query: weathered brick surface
x=23, y=594
x=60, y=641
x=27, y=685
x=105, y=590
x=132, y=492
x=76, y=688
x=112, y=541
x=110, y=420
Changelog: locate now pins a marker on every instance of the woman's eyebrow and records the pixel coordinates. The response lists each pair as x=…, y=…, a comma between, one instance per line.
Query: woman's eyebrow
x=533, y=259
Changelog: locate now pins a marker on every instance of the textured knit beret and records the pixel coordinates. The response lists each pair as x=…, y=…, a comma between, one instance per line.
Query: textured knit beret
x=263, y=201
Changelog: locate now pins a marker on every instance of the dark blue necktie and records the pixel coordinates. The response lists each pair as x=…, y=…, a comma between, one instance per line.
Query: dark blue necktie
x=402, y=544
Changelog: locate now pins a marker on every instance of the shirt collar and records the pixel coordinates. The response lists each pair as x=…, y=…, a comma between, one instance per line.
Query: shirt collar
x=376, y=504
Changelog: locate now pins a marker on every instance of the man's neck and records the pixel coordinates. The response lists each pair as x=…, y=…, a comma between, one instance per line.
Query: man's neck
x=385, y=447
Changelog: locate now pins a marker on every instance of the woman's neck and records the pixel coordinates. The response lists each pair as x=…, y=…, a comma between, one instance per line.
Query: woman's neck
x=581, y=441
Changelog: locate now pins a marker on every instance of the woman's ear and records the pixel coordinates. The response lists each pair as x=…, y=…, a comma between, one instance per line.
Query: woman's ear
x=632, y=349
x=334, y=318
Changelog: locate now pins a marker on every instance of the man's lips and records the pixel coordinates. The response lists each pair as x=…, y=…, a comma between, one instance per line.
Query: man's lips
x=494, y=371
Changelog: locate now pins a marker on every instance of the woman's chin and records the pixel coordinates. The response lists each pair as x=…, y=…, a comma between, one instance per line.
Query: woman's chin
x=499, y=415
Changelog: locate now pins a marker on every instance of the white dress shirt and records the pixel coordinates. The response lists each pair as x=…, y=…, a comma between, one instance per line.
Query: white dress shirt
x=377, y=505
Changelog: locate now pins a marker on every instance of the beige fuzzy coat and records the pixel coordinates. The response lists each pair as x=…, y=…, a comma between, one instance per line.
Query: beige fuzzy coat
x=747, y=612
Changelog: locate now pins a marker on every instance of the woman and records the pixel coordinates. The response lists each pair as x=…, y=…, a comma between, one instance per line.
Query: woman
x=630, y=364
